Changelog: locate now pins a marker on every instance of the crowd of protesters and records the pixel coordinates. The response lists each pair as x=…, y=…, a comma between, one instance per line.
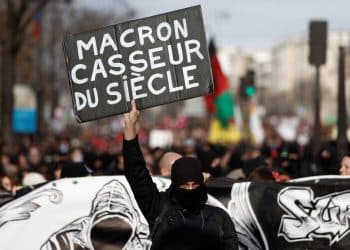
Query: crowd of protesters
x=37, y=159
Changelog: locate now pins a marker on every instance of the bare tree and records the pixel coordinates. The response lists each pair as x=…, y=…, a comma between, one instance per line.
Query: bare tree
x=15, y=19
x=64, y=20
x=16, y=16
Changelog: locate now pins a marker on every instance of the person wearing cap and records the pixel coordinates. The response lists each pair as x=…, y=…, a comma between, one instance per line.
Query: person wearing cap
x=178, y=218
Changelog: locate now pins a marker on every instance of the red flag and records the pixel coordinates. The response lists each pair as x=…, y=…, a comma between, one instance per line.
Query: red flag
x=221, y=100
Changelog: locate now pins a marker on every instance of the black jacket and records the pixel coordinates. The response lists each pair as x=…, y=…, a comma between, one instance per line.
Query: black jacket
x=167, y=220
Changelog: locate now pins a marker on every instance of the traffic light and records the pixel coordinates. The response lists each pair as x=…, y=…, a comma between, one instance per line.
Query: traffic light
x=247, y=85
x=250, y=89
x=317, y=42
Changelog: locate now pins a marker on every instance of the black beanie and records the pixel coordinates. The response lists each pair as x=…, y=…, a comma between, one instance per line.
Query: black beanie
x=186, y=169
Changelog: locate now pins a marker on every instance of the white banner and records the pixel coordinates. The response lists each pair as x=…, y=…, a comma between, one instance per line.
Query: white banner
x=62, y=214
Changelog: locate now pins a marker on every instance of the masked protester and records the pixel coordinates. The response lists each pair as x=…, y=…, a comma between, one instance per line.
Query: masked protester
x=178, y=218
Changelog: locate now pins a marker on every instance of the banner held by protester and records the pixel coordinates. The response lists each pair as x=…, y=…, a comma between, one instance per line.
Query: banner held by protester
x=77, y=214
x=154, y=60
x=307, y=213
x=311, y=213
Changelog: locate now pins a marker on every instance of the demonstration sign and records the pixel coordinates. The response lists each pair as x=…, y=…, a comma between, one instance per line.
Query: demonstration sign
x=154, y=60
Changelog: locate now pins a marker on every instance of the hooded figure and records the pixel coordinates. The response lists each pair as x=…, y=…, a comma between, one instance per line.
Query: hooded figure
x=188, y=187
x=180, y=215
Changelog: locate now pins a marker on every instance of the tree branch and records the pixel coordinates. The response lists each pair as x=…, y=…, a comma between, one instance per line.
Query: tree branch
x=23, y=6
x=26, y=19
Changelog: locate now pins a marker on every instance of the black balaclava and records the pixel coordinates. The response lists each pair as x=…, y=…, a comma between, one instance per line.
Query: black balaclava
x=183, y=170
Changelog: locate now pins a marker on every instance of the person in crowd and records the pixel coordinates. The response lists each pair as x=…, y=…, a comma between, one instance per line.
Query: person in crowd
x=288, y=161
x=165, y=163
x=64, y=146
x=213, y=159
x=327, y=161
x=182, y=207
x=6, y=190
x=252, y=161
x=261, y=173
x=76, y=155
x=345, y=166
x=75, y=169
x=189, y=147
x=32, y=179
x=6, y=184
x=280, y=175
x=116, y=166
x=23, y=165
x=46, y=170
x=7, y=167
x=34, y=158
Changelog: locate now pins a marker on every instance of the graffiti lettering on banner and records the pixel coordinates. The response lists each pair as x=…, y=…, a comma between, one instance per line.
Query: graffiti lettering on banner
x=309, y=217
x=307, y=213
x=154, y=60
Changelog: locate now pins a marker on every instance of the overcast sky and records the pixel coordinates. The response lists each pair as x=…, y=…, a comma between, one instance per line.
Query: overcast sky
x=247, y=23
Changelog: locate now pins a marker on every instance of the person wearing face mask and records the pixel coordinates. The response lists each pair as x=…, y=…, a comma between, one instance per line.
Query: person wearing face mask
x=178, y=218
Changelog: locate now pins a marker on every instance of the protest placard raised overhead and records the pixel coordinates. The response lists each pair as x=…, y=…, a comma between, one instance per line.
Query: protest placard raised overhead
x=154, y=60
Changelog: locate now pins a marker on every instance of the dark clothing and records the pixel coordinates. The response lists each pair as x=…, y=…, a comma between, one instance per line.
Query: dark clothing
x=166, y=218
x=5, y=197
x=75, y=170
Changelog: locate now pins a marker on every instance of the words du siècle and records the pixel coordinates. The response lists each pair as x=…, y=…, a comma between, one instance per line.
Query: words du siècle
x=136, y=88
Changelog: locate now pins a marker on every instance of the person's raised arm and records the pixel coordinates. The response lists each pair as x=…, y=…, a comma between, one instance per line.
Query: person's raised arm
x=136, y=172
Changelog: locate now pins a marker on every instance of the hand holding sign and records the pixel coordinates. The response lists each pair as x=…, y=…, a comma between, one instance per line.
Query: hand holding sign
x=157, y=60
x=130, y=120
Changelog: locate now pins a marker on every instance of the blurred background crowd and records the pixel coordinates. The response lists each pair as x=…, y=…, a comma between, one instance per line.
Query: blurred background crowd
x=37, y=159
x=271, y=130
